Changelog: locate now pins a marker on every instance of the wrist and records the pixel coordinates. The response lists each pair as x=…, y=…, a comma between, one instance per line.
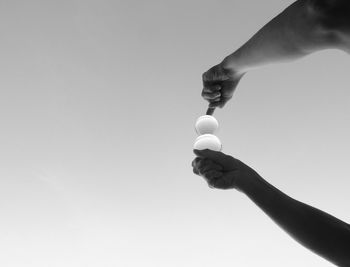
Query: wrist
x=231, y=67
x=247, y=182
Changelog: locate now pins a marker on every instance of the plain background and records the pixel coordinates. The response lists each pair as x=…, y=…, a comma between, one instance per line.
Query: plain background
x=97, y=109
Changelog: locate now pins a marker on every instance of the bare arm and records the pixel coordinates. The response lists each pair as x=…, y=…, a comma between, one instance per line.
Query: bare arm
x=318, y=231
x=299, y=30
x=304, y=27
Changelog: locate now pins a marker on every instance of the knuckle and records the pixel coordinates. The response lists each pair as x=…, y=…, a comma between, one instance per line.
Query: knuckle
x=199, y=166
x=205, y=76
x=211, y=184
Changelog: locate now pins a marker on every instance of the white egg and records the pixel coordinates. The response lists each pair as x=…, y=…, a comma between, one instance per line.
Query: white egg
x=207, y=141
x=206, y=125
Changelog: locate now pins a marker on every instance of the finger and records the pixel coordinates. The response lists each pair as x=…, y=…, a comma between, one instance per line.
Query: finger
x=216, y=156
x=204, y=165
x=194, y=165
x=219, y=183
x=218, y=102
x=210, y=96
x=211, y=88
x=210, y=111
x=212, y=174
x=200, y=164
x=214, y=73
x=214, y=104
x=228, y=88
x=205, y=169
x=210, y=164
x=215, y=166
x=195, y=162
x=207, y=76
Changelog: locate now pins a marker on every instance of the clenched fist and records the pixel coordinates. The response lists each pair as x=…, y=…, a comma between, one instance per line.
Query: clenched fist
x=219, y=83
x=220, y=170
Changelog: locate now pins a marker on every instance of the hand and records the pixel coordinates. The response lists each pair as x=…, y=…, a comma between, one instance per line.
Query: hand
x=220, y=170
x=219, y=83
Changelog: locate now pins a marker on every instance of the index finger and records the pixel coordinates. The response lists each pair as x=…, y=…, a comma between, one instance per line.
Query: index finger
x=206, y=77
x=210, y=110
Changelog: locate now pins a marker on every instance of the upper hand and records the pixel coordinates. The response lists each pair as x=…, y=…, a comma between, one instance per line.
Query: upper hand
x=219, y=83
x=220, y=170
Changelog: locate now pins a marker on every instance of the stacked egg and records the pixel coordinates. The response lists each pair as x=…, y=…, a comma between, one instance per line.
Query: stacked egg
x=206, y=126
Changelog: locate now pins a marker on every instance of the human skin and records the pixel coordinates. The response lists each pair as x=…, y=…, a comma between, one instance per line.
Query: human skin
x=305, y=27
x=316, y=230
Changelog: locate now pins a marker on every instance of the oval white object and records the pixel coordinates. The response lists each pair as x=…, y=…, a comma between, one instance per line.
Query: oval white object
x=206, y=125
x=207, y=141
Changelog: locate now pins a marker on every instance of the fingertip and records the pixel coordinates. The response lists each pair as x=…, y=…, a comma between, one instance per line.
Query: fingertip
x=210, y=111
x=220, y=104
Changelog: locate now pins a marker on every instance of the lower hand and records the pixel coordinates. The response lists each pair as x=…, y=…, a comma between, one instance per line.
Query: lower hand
x=220, y=170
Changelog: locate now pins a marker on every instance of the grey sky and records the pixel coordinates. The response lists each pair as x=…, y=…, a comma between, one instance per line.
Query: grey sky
x=97, y=110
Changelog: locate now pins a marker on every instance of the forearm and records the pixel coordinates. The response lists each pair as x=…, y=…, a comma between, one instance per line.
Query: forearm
x=296, y=32
x=320, y=232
